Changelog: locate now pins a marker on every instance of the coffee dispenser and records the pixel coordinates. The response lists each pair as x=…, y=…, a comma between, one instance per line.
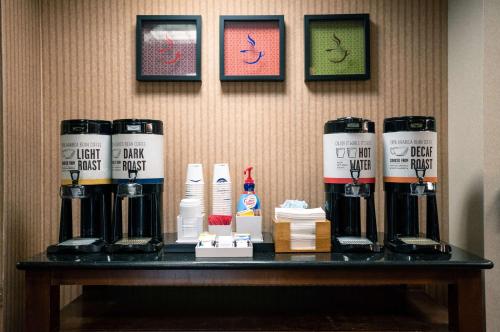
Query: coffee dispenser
x=86, y=177
x=349, y=176
x=137, y=156
x=410, y=177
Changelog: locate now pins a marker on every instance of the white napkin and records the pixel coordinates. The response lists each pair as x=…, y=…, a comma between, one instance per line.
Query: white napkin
x=299, y=215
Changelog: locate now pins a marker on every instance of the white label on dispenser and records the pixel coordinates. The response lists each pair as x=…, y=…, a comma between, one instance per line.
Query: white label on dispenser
x=88, y=153
x=406, y=151
x=343, y=152
x=140, y=152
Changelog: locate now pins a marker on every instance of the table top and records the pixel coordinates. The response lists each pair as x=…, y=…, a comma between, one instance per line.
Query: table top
x=458, y=259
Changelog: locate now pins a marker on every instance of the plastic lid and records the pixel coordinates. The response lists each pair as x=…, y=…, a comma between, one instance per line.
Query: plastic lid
x=137, y=126
x=85, y=126
x=410, y=123
x=349, y=125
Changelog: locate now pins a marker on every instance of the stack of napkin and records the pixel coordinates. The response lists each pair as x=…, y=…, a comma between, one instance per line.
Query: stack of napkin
x=302, y=225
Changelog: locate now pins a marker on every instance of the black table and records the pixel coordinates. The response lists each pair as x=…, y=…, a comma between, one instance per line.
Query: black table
x=461, y=271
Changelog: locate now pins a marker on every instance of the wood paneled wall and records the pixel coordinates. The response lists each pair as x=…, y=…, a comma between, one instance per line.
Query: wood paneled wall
x=75, y=59
x=22, y=148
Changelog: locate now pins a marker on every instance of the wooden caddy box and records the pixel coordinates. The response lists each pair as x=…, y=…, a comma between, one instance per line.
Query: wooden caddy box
x=281, y=236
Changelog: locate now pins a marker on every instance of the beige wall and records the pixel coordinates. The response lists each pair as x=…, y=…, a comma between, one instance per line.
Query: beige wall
x=474, y=122
x=81, y=64
x=465, y=123
x=492, y=159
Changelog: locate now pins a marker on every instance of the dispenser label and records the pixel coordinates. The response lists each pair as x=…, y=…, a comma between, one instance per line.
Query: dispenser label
x=140, y=152
x=406, y=152
x=343, y=152
x=90, y=154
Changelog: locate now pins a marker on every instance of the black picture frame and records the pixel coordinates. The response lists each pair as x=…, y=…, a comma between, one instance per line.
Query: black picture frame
x=179, y=19
x=364, y=18
x=239, y=18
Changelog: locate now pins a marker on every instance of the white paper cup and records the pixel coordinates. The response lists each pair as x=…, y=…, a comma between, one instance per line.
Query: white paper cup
x=194, y=173
x=221, y=173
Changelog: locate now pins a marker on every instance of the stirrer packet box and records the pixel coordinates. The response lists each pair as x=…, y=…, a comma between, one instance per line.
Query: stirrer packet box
x=251, y=225
x=213, y=246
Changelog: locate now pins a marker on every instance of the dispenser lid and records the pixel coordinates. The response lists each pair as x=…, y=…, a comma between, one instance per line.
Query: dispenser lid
x=349, y=125
x=85, y=126
x=137, y=126
x=410, y=123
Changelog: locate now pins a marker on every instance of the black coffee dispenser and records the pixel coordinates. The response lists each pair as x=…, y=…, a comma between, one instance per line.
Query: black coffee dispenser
x=410, y=177
x=349, y=175
x=138, y=177
x=86, y=176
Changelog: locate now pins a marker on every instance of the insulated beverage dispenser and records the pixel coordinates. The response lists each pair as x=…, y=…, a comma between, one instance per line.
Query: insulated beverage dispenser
x=410, y=177
x=349, y=176
x=85, y=177
x=137, y=155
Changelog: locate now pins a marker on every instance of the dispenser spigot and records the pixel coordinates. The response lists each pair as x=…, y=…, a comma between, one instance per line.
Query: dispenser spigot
x=422, y=188
x=74, y=190
x=132, y=175
x=355, y=172
x=75, y=177
x=356, y=189
x=132, y=188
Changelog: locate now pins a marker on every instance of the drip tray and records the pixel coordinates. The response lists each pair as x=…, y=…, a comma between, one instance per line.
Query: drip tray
x=352, y=240
x=419, y=241
x=133, y=241
x=78, y=242
x=77, y=245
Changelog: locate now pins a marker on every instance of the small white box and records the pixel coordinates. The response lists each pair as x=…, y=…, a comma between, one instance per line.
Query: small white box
x=250, y=225
x=221, y=230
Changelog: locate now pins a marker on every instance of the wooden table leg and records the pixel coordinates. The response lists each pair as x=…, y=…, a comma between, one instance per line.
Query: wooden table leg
x=466, y=303
x=42, y=302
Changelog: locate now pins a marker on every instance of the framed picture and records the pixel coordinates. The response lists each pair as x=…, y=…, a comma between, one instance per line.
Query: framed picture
x=337, y=47
x=252, y=48
x=168, y=48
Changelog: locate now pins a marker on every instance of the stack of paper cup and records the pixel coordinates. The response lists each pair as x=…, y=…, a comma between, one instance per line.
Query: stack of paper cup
x=221, y=191
x=195, y=186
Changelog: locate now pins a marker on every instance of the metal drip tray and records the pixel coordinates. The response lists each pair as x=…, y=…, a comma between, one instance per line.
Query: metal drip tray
x=351, y=240
x=78, y=242
x=134, y=241
x=419, y=241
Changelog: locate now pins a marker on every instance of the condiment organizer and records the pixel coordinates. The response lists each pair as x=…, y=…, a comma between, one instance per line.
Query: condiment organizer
x=224, y=246
x=250, y=225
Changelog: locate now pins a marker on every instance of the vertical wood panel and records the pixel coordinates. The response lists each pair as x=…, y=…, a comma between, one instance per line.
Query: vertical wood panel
x=76, y=59
x=23, y=229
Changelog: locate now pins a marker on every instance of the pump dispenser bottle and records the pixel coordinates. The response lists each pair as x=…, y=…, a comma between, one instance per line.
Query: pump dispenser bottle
x=249, y=202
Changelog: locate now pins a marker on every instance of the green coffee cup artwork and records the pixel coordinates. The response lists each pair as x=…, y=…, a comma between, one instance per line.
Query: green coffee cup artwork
x=337, y=47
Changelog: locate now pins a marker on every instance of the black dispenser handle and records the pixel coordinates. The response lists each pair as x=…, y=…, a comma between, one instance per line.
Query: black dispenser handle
x=371, y=219
x=66, y=221
x=117, y=219
x=105, y=216
x=432, y=226
x=155, y=218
